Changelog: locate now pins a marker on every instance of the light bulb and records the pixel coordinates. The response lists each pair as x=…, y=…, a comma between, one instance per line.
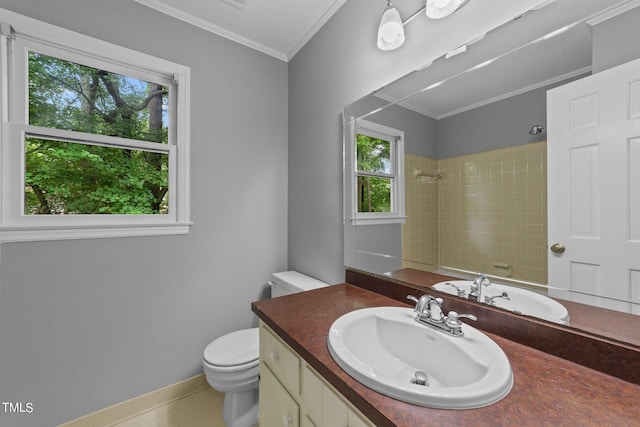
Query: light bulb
x=391, y=30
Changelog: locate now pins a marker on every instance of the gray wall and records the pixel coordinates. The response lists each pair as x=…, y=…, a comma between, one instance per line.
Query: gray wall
x=89, y=323
x=498, y=125
x=615, y=41
x=420, y=132
x=502, y=124
x=338, y=66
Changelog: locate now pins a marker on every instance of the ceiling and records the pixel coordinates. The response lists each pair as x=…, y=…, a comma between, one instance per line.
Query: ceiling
x=279, y=28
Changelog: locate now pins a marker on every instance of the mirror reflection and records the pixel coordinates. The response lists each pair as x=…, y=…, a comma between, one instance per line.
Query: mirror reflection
x=473, y=191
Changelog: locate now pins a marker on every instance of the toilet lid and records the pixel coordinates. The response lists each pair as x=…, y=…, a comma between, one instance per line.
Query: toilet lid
x=235, y=348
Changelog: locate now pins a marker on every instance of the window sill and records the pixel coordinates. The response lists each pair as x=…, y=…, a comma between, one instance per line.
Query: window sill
x=387, y=219
x=32, y=234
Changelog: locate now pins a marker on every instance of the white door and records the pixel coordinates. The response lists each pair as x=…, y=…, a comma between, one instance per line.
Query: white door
x=594, y=188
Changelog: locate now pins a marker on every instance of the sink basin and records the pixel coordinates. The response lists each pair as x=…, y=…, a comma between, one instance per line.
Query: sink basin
x=384, y=348
x=521, y=300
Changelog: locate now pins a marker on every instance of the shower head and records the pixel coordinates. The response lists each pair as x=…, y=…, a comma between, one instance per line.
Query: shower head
x=537, y=130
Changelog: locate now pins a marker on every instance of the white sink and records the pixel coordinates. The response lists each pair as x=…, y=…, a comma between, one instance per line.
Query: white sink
x=384, y=347
x=521, y=300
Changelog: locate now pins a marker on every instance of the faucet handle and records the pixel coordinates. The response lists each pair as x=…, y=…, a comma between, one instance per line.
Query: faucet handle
x=461, y=292
x=453, y=321
x=491, y=300
x=421, y=303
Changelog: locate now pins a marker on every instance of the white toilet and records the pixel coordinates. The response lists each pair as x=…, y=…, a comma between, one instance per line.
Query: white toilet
x=231, y=361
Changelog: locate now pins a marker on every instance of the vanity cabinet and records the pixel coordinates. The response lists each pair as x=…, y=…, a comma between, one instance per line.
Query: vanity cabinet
x=293, y=394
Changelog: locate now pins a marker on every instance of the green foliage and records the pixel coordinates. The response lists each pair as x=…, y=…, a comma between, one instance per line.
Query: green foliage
x=373, y=154
x=69, y=178
x=79, y=178
x=374, y=192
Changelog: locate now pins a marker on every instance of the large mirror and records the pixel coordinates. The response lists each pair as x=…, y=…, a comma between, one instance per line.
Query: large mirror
x=454, y=168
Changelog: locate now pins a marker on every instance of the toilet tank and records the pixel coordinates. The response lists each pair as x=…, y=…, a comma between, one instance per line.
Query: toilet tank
x=291, y=282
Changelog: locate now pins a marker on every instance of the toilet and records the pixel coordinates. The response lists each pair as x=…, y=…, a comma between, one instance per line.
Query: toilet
x=231, y=361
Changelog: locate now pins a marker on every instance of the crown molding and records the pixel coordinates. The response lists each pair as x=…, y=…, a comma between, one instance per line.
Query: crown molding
x=212, y=28
x=223, y=32
x=612, y=13
x=335, y=6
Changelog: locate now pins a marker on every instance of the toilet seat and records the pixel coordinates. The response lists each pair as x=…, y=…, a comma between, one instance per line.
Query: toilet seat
x=236, y=349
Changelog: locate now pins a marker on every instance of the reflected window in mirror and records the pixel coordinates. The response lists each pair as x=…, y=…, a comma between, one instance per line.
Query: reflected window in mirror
x=377, y=174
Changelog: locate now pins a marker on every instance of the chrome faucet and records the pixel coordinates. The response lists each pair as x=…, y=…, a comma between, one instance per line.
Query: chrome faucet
x=475, y=291
x=429, y=312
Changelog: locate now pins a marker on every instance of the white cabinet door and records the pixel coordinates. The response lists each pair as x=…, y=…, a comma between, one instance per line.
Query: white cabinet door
x=335, y=410
x=312, y=391
x=324, y=406
x=277, y=407
x=594, y=188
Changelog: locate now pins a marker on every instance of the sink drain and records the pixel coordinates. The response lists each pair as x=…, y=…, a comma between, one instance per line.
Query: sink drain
x=420, y=378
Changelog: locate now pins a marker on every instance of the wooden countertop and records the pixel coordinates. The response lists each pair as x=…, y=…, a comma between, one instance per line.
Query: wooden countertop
x=547, y=390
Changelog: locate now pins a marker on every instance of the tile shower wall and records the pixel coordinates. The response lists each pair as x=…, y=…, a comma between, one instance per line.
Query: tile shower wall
x=492, y=212
x=420, y=231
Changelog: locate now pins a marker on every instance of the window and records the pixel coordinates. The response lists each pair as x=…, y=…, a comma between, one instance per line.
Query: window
x=378, y=174
x=95, y=137
x=374, y=174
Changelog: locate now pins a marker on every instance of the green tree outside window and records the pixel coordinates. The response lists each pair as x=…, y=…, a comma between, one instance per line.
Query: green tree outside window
x=373, y=174
x=72, y=177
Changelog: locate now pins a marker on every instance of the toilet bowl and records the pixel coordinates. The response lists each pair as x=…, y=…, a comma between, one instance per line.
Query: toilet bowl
x=231, y=362
x=231, y=366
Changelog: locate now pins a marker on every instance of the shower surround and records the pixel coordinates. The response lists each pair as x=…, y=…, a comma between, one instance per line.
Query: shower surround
x=488, y=213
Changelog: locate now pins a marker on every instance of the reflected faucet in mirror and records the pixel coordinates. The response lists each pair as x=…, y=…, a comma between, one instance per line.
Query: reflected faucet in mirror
x=514, y=299
x=476, y=287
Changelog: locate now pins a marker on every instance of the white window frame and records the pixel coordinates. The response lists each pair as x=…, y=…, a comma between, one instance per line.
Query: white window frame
x=20, y=35
x=396, y=139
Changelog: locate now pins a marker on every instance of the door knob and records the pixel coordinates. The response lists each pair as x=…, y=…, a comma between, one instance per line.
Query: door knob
x=558, y=248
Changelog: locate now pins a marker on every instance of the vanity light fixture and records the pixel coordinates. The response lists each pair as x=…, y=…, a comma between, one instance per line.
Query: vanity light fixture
x=391, y=29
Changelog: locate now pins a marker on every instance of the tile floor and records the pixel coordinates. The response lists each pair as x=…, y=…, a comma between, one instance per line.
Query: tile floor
x=200, y=409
